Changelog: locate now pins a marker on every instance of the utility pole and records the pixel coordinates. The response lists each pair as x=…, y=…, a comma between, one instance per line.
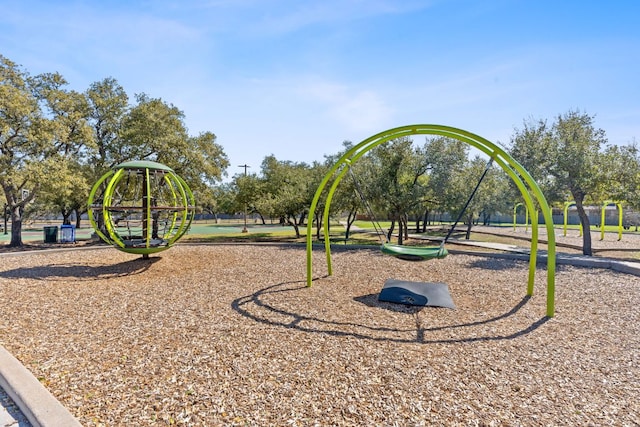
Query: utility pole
x=244, y=230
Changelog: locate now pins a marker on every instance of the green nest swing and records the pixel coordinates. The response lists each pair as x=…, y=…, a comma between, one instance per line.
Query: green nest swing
x=415, y=253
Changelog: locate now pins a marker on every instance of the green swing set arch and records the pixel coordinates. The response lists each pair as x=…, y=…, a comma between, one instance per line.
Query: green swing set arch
x=523, y=180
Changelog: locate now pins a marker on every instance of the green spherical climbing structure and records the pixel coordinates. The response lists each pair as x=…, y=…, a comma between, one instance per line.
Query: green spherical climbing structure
x=141, y=207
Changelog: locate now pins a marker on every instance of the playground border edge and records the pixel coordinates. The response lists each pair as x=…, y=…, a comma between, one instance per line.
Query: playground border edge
x=36, y=403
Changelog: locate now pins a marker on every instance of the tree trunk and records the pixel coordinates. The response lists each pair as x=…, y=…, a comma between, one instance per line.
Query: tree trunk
x=390, y=232
x=468, y=234
x=297, y=229
x=486, y=219
x=400, y=231
x=405, y=221
x=425, y=221
x=66, y=217
x=351, y=218
x=586, y=226
x=16, y=227
x=291, y=220
x=469, y=225
x=78, y=217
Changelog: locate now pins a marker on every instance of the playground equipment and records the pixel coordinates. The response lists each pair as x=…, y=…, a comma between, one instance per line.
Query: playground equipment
x=606, y=203
x=141, y=207
x=516, y=172
x=526, y=216
x=567, y=205
x=415, y=253
x=602, y=218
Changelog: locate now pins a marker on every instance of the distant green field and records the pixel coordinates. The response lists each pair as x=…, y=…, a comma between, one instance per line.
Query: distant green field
x=232, y=230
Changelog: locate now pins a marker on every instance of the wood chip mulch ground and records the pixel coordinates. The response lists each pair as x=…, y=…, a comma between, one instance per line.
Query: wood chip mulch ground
x=213, y=335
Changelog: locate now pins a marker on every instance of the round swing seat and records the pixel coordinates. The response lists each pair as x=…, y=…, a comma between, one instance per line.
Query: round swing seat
x=414, y=253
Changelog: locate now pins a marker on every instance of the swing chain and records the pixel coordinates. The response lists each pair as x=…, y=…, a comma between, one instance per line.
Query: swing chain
x=466, y=205
x=376, y=225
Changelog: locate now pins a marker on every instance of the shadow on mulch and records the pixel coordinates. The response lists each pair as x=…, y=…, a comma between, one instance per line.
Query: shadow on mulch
x=81, y=271
x=258, y=309
x=371, y=300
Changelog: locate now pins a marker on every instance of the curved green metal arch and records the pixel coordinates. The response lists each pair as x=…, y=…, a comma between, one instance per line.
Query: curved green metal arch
x=526, y=216
x=92, y=196
x=518, y=174
x=567, y=205
x=602, y=217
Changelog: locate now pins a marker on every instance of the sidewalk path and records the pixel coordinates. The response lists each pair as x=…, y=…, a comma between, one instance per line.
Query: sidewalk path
x=36, y=405
x=10, y=414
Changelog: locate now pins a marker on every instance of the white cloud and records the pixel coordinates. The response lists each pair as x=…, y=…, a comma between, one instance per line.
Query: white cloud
x=354, y=108
x=278, y=17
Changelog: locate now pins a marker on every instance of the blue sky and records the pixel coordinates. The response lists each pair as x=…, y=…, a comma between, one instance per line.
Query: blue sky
x=297, y=78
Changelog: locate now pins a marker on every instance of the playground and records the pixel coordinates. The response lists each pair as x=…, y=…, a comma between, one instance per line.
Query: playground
x=260, y=334
x=231, y=335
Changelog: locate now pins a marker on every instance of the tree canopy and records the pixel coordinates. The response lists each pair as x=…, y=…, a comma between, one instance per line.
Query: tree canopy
x=55, y=142
x=566, y=158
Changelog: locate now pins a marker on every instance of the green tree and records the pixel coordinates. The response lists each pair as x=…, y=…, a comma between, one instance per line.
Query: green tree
x=533, y=146
x=495, y=197
x=154, y=130
x=62, y=141
x=397, y=182
x=33, y=137
x=445, y=156
x=211, y=201
x=620, y=168
x=151, y=130
x=67, y=187
x=108, y=106
x=345, y=199
x=287, y=189
x=248, y=191
x=460, y=197
x=564, y=159
x=65, y=190
x=316, y=173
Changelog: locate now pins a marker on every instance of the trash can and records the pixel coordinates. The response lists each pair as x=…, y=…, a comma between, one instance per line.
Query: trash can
x=51, y=234
x=67, y=233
